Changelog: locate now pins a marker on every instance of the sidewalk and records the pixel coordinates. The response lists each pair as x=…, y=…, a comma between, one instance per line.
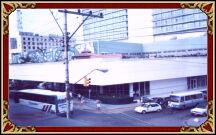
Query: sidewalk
x=90, y=105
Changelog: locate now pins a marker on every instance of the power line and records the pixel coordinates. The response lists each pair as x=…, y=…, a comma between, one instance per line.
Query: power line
x=56, y=21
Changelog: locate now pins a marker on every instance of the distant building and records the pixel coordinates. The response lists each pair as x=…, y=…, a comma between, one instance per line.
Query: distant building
x=31, y=41
x=172, y=23
x=28, y=41
x=113, y=25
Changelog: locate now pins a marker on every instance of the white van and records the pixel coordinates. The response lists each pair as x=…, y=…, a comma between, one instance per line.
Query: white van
x=185, y=99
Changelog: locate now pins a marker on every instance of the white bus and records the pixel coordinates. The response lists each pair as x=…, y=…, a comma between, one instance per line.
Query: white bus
x=185, y=99
x=46, y=100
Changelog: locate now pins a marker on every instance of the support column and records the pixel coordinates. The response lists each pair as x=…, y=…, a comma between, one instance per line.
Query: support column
x=139, y=89
x=101, y=89
x=131, y=90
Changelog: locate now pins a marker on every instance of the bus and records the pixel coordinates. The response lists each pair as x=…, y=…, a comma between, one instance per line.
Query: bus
x=185, y=99
x=46, y=100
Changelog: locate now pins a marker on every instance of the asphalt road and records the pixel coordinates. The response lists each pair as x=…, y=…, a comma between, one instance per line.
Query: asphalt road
x=22, y=115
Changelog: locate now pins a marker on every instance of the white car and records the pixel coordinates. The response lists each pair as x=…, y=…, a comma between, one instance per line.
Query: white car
x=148, y=107
x=199, y=110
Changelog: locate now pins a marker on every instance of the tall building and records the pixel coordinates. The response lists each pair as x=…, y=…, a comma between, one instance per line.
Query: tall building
x=128, y=25
x=113, y=25
x=173, y=22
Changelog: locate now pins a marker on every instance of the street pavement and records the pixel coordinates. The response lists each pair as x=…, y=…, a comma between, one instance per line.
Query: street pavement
x=84, y=115
x=90, y=105
x=109, y=115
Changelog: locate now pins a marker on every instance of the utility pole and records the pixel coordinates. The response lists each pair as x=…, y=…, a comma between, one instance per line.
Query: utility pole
x=66, y=67
x=66, y=39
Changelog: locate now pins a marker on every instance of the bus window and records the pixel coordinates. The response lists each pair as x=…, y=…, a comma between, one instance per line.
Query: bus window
x=182, y=99
x=174, y=98
x=199, y=96
x=187, y=98
x=193, y=96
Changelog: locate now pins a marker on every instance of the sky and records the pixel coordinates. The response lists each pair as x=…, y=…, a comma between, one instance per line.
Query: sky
x=41, y=21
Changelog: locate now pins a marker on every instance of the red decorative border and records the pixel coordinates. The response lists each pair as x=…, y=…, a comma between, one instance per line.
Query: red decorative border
x=106, y=5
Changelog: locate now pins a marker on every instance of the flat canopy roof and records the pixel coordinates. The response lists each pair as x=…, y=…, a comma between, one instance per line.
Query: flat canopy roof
x=121, y=71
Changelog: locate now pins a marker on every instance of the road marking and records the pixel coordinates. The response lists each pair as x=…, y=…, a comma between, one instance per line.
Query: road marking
x=149, y=124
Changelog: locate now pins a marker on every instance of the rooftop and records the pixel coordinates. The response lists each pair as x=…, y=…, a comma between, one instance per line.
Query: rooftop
x=120, y=70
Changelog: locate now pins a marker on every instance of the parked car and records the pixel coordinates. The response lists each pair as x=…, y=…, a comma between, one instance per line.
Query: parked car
x=146, y=100
x=201, y=110
x=162, y=101
x=148, y=107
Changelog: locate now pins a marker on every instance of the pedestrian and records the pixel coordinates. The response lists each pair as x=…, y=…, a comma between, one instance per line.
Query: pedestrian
x=98, y=105
x=141, y=99
x=79, y=97
x=82, y=100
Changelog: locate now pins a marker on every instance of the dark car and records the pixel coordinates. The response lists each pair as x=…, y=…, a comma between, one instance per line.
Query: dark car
x=146, y=100
x=162, y=101
x=158, y=100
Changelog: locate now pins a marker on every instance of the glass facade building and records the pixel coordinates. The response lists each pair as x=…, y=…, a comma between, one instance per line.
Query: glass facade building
x=178, y=21
x=112, y=27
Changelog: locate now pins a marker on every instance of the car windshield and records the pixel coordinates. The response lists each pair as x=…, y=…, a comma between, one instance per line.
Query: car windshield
x=201, y=105
x=144, y=105
x=174, y=98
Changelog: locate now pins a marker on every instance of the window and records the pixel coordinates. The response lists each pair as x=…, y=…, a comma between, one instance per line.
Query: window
x=187, y=98
x=198, y=81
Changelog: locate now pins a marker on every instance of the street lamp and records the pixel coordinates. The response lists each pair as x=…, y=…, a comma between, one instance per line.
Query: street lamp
x=101, y=70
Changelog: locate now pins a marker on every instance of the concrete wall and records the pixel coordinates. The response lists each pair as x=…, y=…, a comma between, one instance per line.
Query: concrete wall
x=167, y=86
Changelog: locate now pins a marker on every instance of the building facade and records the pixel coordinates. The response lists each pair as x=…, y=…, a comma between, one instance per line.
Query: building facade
x=31, y=41
x=28, y=42
x=178, y=21
x=113, y=26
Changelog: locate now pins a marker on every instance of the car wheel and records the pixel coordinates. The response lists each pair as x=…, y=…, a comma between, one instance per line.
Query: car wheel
x=183, y=107
x=159, y=110
x=144, y=112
